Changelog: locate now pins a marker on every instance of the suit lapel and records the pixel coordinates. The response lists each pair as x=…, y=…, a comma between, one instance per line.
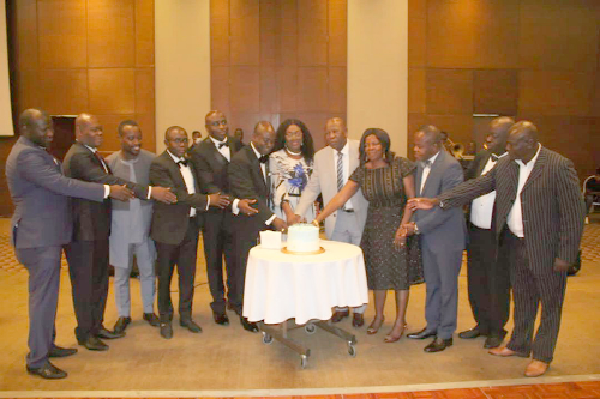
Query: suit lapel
x=538, y=168
x=433, y=172
x=481, y=166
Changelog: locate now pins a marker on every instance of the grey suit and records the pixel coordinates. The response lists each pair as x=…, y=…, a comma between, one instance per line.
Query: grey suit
x=552, y=217
x=442, y=244
x=41, y=224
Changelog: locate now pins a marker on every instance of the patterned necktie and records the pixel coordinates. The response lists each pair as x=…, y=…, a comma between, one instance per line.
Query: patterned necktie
x=340, y=171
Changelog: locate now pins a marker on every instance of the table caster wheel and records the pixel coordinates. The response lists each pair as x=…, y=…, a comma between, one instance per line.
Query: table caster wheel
x=352, y=350
x=303, y=361
x=310, y=328
x=267, y=339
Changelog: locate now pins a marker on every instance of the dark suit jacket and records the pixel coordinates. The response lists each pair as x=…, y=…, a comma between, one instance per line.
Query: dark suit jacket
x=91, y=219
x=441, y=231
x=40, y=193
x=246, y=181
x=211, y=166
x=553, y=210
x=170, y=222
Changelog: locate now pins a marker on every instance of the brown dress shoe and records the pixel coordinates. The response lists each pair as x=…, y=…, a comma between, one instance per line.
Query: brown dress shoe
x=503, y=351
x=358, y=320
x=339, y=315
x=536, y=368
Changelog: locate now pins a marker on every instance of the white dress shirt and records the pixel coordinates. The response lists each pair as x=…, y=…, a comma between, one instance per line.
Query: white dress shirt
x=483, y=207
x=106, y=186
x=426, y=170
x=515, y=217
x=188, y=178
x=345, y=172
x=224, y=150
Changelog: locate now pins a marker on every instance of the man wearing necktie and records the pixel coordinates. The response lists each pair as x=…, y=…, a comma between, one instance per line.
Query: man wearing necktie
x=442, y=238
x=41, y=225
x=539, y=219
x=488, y=272
x=88, y=253
x=210, y=158
x=175, y=227
x=249, y=178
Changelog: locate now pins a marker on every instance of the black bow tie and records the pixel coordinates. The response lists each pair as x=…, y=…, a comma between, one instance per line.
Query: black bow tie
x=182, y=163
x=494, y=157
x=221, y=145
x=263, y=159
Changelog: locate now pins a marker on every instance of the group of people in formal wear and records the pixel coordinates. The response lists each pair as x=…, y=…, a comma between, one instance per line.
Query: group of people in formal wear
x=523, y=229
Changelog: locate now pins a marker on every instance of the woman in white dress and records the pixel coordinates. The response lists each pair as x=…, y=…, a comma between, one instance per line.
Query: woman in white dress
x=291, y=165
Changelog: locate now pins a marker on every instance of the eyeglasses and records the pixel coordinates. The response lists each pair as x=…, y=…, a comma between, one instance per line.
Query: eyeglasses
x=217, y=123
x=179, y=141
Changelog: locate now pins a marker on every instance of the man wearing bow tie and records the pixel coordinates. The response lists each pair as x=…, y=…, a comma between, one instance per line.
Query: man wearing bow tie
x=175, y=227
x=488, y=272
x=88, y=254
x=249, y=178
x=41, y=225
x=442, y=238
x=210, y=158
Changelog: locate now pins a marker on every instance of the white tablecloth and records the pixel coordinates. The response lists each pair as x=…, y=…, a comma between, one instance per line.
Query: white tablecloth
x=303, y=287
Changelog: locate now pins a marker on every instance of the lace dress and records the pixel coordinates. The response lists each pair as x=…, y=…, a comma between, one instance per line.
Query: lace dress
x=289, y=177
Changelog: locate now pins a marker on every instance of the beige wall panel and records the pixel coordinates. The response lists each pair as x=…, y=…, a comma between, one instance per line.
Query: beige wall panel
x=111, y=33
x=63, y=92
x=244, y=89
x=495, y=91
x=244, y=51
x=62, y=33
x=555, y=93
x=289, y=17
x=110, y=136
x=313, y=89
x=564, y=35
x=417, y=33
x=219, y=83
x=449, y=91
x=219, y=12
x=27, y=37
x=243, y=9
x=144, y=91
x=112, y=91
x=289, y=50
x=417, y=97
x=219, y=49
x=268, y=89
x=269, y=50
x=312, y=50
x=450, y=34
x=288, y=88
x=269, y=15
x=144, y=32
x=459, y=127
x=496, y=33
x=338, y=9
x=338, y=77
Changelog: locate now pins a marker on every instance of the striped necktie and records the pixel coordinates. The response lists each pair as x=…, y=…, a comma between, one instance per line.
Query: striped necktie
x=340, y=171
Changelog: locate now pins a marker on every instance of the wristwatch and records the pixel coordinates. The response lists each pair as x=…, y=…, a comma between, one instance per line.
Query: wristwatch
x=416, y=229
x=441, y=203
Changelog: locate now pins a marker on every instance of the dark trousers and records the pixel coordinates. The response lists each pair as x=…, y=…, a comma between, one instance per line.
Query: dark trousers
x=531, y=289
x=245, y=239
x=43, y=265
x=218, y=241
x=488, y=281
x=88, y=268
x=183, y=255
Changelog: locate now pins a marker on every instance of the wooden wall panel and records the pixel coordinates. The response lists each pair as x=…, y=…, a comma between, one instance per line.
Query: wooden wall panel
x=112, y=91
x=417, y=33
x=495, y=91
x=27, y=40
x=63, y=91
x=449, y=91
x=417, y=96
x=144, y=91
x=111, y=33
x=496, y=28
x=279, y=60
x=144, y=33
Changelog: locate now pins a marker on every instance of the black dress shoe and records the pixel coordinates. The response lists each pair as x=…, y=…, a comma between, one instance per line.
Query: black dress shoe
x=438, y=345
x=340, y=315
x=166, y=330
x=59, y=351
x=105, y=334
x=94, y=344
x=493, y=341
x=423, y=334
x=248, y=326
x=48, y=371
x=121, y=324
x=190, y=325
x=221, y=319
x=358, y=320
x=470, y=334
x=152, y=319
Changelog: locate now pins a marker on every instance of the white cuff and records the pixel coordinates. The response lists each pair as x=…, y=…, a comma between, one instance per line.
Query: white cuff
x=235, y=206
x=149, y=192
x=270, y=220
x=106, y=191
x=207, y=202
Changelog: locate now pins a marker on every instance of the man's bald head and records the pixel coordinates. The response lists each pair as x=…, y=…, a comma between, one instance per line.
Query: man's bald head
x=88, y=131
x=523, y=141
x=34, y=124
x=263, y=137
x=500, y=128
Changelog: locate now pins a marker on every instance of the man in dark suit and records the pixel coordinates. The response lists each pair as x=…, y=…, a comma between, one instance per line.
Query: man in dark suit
x=175, y=227
x=488, y=273
x=88, y=253
x=442, y=238
x=539, y=219
x=41, y=225
x=210, y=158
x=249, y=178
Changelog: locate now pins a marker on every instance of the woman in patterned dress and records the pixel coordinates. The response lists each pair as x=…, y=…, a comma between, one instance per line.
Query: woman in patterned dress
x=290, y=166
x=386, y=182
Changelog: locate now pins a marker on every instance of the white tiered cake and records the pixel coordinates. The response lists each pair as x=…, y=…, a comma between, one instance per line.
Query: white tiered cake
x=303, y=238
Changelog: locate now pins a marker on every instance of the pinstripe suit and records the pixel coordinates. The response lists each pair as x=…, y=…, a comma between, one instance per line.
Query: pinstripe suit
x=553, y=213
